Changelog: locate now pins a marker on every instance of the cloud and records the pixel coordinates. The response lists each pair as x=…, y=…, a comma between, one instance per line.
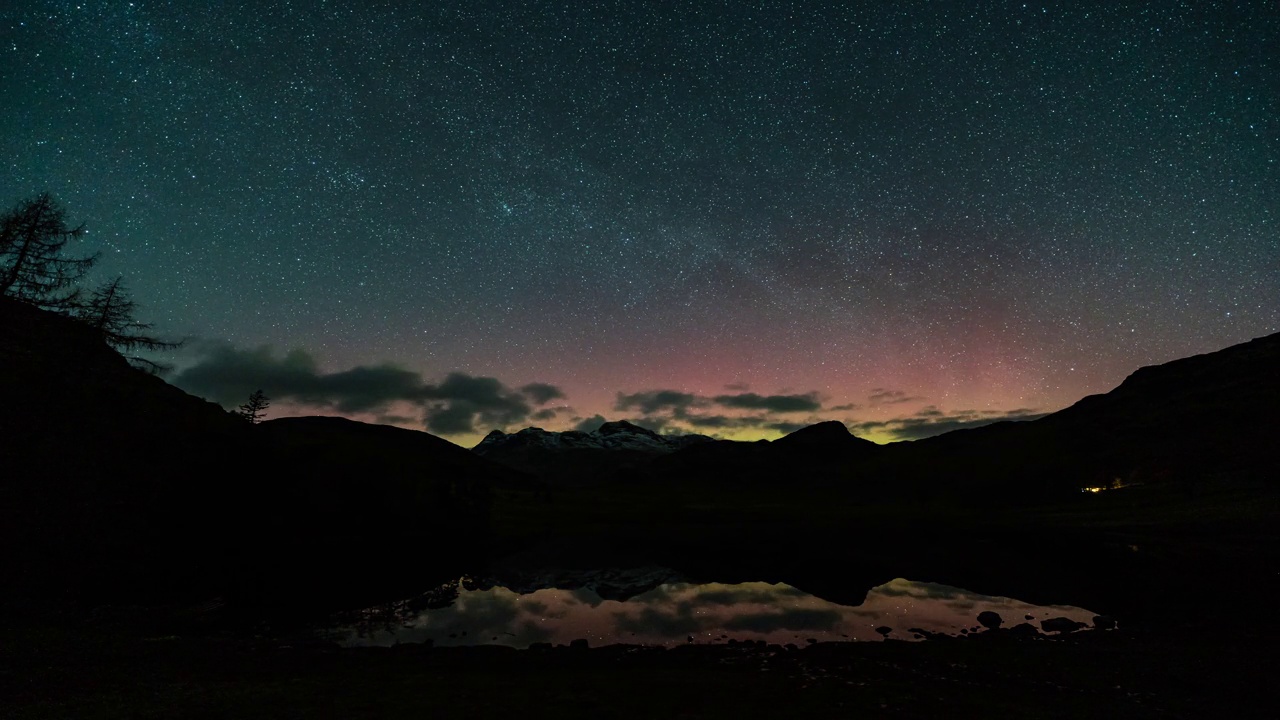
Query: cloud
x=227, y=375
x=737, y=387
x=590, y=424
x=786, y=428
x=931, y=421
x=541, y=393
x=844, y=408
x=650, y=402
x=533, y=607
x=651, y=621
x=456, y=405
x=807, y=402
x=551, y=413
x=462, y=402
x=714, y=421
x=675, y=411
x=882, y=396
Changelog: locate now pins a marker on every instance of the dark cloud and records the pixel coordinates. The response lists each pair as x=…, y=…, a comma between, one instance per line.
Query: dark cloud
x=930, y=421
x=714, y=421
x=590, y=424
x=882, y=396
x=544, y=414
x=650, y=402
x=465, y=404
x=786, y=428
x=541, y=393
x=459, y=404
x=674, y=411
x=845, y=408
x=450, y=418
x=726, y=422
x=737, y=387
x=227, y=375
x=807, y=402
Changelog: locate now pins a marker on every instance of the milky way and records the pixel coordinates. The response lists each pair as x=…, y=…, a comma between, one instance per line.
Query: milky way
x=910, y=216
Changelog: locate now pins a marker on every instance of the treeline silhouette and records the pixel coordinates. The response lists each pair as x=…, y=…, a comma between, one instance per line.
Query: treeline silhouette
x=36, y=269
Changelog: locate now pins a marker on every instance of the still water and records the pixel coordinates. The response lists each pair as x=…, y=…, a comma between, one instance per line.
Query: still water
x=675, y=613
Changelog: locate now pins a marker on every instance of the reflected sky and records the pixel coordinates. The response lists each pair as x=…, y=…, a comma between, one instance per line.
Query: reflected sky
x=672, y=613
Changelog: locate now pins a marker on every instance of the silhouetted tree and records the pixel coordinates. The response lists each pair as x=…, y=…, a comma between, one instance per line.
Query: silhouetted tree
x=33, y=269
x=110, y=312
x=255, y=408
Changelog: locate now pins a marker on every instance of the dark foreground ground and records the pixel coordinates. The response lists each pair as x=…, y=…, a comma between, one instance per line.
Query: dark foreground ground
x=1192, y=581
x=96, y=674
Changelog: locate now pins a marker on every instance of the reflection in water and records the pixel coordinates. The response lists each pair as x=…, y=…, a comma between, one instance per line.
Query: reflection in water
x=672, y=613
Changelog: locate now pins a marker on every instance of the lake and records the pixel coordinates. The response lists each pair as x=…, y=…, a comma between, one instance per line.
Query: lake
x=646, y=607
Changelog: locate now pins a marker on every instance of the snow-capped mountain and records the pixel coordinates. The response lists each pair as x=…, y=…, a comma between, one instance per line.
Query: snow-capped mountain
x=619, y=435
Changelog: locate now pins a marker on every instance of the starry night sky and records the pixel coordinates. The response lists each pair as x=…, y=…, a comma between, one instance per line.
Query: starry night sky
x=732, y=218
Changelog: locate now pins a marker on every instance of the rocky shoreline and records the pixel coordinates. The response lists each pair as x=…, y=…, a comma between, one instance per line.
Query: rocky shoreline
x=1115, y=673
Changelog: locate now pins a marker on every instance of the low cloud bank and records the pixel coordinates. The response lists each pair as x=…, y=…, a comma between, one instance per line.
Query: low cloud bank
x=458, y=404
x=461, y=403
x=931, y=421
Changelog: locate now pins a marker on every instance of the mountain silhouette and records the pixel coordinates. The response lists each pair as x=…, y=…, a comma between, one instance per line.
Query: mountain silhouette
x=613, y=450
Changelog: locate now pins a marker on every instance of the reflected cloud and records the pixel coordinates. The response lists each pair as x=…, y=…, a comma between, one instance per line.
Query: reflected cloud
x=735, y=596
x=535, y=607
x=672, y=613
x=655, y=622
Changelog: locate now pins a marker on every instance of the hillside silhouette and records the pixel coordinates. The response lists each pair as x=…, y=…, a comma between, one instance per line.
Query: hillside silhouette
x=1190, y=423
x=120, y=485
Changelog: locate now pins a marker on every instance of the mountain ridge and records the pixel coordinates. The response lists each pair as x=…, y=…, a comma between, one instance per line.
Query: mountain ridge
x=613, y=435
